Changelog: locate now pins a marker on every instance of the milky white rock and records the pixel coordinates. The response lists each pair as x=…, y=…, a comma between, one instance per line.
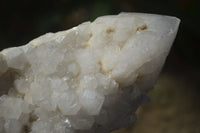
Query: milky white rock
x=91, y=78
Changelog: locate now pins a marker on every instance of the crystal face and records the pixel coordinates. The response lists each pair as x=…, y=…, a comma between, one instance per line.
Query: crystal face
x=91, y=78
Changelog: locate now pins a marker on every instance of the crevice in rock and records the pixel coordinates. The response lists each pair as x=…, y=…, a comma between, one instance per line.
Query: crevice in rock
x=7, y=81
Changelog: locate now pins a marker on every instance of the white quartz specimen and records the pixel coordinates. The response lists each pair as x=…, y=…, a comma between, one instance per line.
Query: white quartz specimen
x=89, y=79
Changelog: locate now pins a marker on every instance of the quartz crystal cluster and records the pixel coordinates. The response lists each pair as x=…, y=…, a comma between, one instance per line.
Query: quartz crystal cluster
x=89, y=79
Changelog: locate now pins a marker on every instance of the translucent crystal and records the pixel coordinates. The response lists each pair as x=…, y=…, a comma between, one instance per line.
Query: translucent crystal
x=91, y=78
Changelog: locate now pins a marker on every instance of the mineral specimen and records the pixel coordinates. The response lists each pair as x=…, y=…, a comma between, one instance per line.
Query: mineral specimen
x=91, y=78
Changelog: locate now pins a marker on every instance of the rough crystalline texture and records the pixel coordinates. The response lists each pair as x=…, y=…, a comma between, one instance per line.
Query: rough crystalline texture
x=91, y=78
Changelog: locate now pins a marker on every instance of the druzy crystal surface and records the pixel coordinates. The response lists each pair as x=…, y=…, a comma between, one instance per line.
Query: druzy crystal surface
x=89, y=79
